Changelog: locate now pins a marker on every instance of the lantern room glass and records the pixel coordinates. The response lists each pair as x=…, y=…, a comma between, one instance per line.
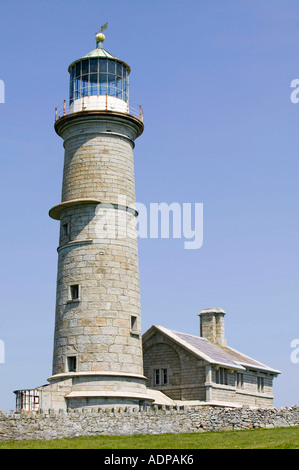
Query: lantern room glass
x=92, y=77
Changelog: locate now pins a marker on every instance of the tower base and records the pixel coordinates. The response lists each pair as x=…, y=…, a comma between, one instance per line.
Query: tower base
x=89, y=390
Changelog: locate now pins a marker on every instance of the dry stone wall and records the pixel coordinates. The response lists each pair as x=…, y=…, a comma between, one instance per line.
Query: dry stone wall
x=147, y=420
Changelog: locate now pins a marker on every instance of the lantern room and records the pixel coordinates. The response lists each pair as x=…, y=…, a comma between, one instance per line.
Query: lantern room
x=99, y=81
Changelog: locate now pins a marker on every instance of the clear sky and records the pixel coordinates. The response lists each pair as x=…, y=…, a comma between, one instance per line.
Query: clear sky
x=213, y=78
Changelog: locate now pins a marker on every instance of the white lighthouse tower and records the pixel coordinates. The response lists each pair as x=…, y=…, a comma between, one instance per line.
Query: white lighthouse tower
x=97, y=357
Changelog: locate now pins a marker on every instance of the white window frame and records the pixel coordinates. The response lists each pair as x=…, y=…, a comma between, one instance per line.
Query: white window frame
x=239, y=380
x=221, y=376
x=161, y=373
x=260, y=384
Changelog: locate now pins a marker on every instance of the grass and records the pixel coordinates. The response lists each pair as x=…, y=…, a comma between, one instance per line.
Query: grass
x=276, y=438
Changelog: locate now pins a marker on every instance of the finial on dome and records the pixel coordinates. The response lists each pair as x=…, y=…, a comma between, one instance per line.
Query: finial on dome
x=100, y=36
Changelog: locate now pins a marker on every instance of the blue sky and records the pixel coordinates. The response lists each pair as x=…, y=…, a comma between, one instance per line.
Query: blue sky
x=213, y=78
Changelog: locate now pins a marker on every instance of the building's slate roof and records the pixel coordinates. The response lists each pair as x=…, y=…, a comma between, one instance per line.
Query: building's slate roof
x=214, y=353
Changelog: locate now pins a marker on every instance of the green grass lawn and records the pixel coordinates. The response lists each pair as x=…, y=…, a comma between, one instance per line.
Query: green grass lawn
x=277, y=438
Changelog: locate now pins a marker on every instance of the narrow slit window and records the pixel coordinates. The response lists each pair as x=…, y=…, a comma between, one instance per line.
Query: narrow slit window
x=157, y=376
x=65, y=229
x=133, y=323
x=260, y=384
x=240, y=380
x=74, y=291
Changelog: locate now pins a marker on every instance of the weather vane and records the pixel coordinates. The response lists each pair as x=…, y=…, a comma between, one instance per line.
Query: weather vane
x=103, y=28
x=100, y=36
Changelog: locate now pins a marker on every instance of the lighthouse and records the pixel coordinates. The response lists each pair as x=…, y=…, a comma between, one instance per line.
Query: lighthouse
x=98, y=358
x=97, y=352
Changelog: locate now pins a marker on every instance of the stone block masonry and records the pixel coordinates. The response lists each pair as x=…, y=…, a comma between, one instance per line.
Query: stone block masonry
x=144, y=420
x=97, y=356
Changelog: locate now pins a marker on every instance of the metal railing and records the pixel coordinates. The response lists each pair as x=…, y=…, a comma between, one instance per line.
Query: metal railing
x=126, y=107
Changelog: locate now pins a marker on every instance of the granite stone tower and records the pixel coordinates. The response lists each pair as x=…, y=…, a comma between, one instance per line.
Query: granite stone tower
x=97, y=358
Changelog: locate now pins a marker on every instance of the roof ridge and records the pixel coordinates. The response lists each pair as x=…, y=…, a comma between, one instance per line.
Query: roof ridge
x=189, y=334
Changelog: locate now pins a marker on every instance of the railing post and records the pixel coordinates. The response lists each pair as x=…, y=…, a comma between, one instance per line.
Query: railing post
x=140, y=108
x=55, y=114
x=64, y=107
x=106, y=101
x=83, y=102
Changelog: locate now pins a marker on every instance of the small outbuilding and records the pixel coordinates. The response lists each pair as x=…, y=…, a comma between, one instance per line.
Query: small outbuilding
x=203, y=368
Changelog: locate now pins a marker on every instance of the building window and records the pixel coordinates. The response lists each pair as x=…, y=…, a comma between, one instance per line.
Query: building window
x=221, y=376
x=260, y=384
x=74, y=292
x=157, y=376
x=133, y=323
x=160, y=376
x=72, y=364
x=65, y=229
x=164, y=377
x=239, y=380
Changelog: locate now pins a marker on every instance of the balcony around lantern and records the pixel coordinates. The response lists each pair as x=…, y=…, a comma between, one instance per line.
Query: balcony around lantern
x=98, y=103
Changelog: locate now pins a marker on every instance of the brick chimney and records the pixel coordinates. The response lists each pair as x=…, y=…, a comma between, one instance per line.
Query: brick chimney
x=212, y=325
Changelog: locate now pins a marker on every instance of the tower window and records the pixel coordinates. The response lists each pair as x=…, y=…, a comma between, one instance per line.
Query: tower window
x=74, y=292
x=72, y=364
x=133, y=323
x=65, y=229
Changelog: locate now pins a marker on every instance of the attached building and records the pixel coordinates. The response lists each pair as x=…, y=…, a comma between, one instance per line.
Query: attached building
x=203, y=368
